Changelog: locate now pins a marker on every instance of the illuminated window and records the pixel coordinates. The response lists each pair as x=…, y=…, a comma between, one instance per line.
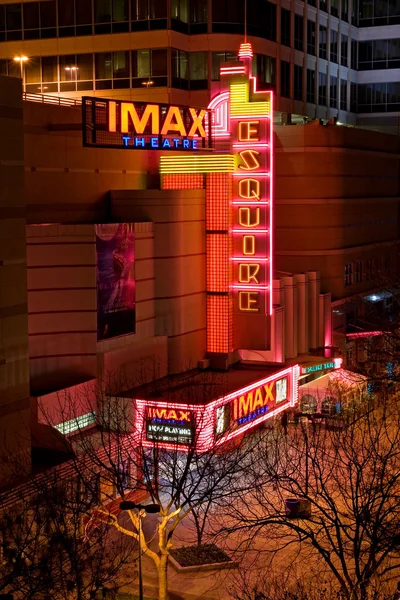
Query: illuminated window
x=348, y=274
x=179, y=69
x=198, y=70
x=77, y=423
x=179, y=15
x=217, y=59
x=150, y=68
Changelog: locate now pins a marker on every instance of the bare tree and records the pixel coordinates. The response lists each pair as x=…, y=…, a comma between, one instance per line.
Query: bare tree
x=333, y=494
x=176, y=472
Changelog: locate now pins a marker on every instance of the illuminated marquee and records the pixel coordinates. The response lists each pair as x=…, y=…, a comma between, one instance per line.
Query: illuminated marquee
x=169, y=425
x=251, y=132
x=141, y=125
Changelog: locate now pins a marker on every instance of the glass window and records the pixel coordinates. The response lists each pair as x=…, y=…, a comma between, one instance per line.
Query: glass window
x=159, y=63
x=344, y=10
x=298, y=32
x=157, y=9
x=335, y=8
x=311, y=3
x=68, y=68
x=343, y=50
x=285, y=26
x=353, y=97
x=139, y=10
x=311, y=86
x=121, y=67
x=83, y=12
x=217, y=59
x=323, y=5
x=179, y=10
x=65, y=13
x=179, y=69
x=48, y=14
x=13, y=17
x=394, y=53
x=120, y=10
x=141, y=63
x=31, y=15
x=103, y=65
x=49, y=68
x=353, y=56
x=3, y=66
x=334, y=46
x=198, y=69
x=84, y=63
x=264, y=68
x=379, y=54
x=322, y=89
x=348, y=274
x=32, y=70
x=102, y=11
x=354, y=12
x=311, y=37
x=268, y=16
x=322, y=41
x=333, y=91
x=298, y=82
x=343, y=94
x=285, y=79
x=198, y=11
x=359, y=271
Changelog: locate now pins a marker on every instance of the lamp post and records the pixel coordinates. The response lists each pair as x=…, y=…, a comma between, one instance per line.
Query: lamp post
x=22, y=60
x=148, y=508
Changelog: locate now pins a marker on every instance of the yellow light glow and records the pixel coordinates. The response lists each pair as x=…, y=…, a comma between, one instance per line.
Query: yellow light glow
x=210, y=163
x=21, y=58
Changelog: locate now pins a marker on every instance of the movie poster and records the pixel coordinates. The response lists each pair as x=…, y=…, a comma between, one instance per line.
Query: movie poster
x=115, y=254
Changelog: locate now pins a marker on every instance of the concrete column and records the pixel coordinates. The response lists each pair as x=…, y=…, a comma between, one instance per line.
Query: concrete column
x=325, y=320
x=290, y=321
x=314, y=287
x=301, y=280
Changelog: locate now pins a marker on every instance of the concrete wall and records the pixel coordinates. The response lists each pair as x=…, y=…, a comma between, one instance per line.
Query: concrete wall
x=62, y=297
x=337, y=200
x=14, y=371
x=179, y=266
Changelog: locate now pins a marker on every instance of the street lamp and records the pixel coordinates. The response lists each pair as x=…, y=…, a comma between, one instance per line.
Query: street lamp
x=22, y=60
x=148, y=508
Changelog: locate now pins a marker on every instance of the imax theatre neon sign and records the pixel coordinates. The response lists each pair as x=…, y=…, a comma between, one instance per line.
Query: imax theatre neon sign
x=141, y=125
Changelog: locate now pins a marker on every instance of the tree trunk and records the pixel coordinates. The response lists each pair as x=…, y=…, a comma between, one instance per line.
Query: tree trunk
x=163, y=577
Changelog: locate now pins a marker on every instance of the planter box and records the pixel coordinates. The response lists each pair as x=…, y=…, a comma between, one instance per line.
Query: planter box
x=198, y=566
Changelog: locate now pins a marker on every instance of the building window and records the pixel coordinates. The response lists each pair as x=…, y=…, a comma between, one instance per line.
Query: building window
x=349, y=356
x=198, y=16
x=334, y=46
x=335, y=8
x=77, y=423
x=264, y=67
x=358, y=271
x=323, y=5
x=150, y=68
x=298, y=82
x=311, y=86
x=285, y=27
x=179, y=69
x=333, y=91
x=343, y=50
x=311, y=37
x=322, y=89
x=198, y=70
x=353, y=56
x=378, y=12
x=348, y=274
x=353, y=97
x=180, y=15
x=344, y=10
x=311, y=3
x=298, y=32
x=322, y=41
x=354, y=11
x=217, y=59
x=148, y=14
x=343, y=94
x=285, y=79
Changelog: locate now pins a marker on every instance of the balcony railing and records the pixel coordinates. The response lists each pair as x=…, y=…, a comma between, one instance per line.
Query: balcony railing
x=48, y=99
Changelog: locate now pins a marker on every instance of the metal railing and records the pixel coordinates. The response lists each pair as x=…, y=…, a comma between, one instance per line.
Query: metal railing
x=48, y=99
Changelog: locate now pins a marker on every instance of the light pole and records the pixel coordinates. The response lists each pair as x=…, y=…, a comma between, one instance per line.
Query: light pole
x=148, y=508
x=22, y=60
